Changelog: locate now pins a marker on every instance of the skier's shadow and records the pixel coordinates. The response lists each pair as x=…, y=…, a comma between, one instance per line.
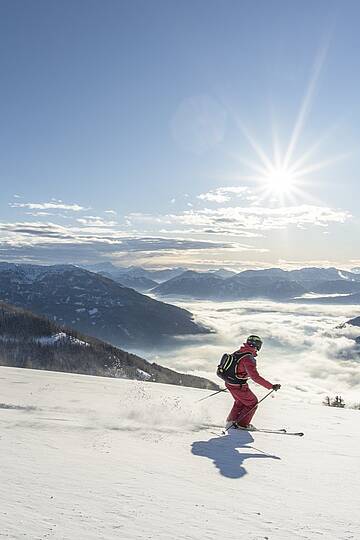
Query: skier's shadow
x=226, y=452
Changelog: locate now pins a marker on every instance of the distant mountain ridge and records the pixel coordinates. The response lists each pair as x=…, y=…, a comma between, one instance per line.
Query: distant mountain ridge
x=30, y=341
x=134, y=274
x=94, y=304
x=272, y=283
x=143, y=279
x=139, y=283
x=190, y=283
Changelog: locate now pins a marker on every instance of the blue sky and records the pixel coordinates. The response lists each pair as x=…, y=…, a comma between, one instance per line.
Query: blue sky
x=131, y=131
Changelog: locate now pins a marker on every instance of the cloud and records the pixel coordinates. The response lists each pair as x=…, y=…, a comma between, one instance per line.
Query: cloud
x=39, y=214
x=265, y=219
x=90, y=239
x=18, y=232
x=303, y=349
x=52, y=205
x=224, y=194
x=219, y=228
x=288, y=264
x=247, y=220
x=96, y=221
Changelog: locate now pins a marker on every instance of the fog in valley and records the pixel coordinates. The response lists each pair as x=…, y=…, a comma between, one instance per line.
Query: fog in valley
x=304, y=348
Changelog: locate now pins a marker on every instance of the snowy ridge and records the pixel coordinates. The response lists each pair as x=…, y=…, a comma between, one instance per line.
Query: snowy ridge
x=30, y=341
x=92, y=458
x=60, y=337
x=95, y=305
x=31, y=272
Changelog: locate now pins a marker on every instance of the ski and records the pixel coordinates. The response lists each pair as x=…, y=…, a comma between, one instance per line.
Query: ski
x=274, y=431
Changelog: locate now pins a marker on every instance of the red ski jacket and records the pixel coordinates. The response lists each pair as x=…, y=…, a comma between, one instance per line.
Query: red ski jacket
x=247, y=366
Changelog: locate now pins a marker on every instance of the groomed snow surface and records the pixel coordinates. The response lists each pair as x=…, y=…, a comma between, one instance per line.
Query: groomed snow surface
x=85, y=458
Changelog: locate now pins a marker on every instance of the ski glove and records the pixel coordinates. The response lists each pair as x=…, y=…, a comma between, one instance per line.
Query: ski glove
x=276, y=387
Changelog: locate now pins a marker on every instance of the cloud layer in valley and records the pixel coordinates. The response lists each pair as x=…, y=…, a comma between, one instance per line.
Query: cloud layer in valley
x=303, y=348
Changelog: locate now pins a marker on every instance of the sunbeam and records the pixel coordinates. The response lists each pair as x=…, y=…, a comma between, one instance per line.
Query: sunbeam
x=280, y=174
x=306, y=104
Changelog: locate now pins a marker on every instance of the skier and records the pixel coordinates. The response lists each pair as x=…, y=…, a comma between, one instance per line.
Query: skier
x=241, y=368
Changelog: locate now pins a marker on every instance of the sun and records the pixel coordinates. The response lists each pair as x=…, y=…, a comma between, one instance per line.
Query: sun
x=279, y=177
x=279, y=181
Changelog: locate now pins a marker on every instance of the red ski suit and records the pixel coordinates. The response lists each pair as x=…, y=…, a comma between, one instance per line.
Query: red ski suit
x=245, y=403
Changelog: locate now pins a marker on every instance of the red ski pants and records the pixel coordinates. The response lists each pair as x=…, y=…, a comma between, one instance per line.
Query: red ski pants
x=245, y=401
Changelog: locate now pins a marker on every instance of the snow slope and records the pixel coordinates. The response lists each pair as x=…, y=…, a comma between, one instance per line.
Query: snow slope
x=90, y=458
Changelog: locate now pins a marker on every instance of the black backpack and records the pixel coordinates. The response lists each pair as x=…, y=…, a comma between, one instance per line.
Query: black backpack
x=227, y=368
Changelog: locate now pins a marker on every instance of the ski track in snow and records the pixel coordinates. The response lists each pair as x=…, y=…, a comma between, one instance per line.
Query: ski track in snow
x=85, y=458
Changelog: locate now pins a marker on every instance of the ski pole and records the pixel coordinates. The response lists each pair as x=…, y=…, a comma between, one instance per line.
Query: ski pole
x=248, y=412
x=214, y=394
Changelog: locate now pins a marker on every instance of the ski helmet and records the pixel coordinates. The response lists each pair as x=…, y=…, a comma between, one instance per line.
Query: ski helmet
x=254, y=341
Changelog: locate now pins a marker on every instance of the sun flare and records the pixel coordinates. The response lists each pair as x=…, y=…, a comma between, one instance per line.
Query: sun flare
x=280, y=177
x=282, y=174
x=279, y=181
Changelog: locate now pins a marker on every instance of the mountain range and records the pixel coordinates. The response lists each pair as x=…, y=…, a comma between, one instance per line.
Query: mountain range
x=307, y=284
x=136, y=277
x=30, y=341
x=144, y=280
x=94, y=304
